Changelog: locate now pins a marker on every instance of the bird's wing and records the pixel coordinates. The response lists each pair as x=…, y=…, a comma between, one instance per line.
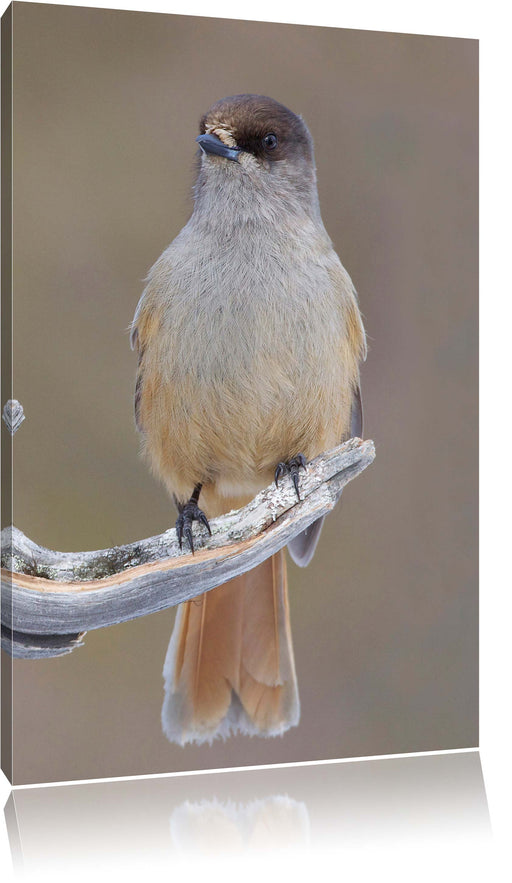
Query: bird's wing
x=356, y=414
x=134, y=332
x=136, y=345
x=302, y=547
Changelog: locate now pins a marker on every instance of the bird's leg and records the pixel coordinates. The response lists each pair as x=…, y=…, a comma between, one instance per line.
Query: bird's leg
x=189, y=512
x=291, y=467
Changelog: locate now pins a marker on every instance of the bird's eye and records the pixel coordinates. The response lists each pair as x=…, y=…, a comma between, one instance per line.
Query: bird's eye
x=270, y=141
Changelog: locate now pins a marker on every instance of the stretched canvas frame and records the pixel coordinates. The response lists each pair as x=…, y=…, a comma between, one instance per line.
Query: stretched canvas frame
x=97, y=171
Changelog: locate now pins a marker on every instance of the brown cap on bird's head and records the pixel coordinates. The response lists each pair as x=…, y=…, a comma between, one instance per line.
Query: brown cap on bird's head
x=257, y=125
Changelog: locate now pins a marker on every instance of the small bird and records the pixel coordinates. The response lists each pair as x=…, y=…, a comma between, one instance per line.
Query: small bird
x=249, y=341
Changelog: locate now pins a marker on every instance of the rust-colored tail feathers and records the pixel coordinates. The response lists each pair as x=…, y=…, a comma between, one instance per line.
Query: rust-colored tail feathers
x=230, y=667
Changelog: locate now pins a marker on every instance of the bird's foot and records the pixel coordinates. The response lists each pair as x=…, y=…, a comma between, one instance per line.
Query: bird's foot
x=189, y=512
x=291, y=467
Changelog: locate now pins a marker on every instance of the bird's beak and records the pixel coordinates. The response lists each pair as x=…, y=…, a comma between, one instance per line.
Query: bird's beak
x=212, y=144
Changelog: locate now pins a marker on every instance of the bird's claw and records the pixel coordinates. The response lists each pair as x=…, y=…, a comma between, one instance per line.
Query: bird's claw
x=189, y=513
x=291, y=467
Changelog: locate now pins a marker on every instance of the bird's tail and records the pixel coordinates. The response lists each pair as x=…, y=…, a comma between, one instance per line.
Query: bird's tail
x=230, y=667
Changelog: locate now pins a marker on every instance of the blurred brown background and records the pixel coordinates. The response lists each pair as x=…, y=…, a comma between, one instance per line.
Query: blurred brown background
x=106, y=106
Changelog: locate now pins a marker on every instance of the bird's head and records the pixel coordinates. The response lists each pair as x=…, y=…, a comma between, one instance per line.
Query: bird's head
x=256, y=126
x=253, y=138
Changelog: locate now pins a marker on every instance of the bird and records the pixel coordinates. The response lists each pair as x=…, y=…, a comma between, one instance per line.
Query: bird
x=249, y=340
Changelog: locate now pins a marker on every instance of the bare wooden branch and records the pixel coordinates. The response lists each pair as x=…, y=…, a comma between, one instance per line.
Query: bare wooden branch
x=25, y=646
x=48, y=593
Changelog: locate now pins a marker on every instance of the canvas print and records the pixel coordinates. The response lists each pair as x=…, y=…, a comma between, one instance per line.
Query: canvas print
x=239, y=392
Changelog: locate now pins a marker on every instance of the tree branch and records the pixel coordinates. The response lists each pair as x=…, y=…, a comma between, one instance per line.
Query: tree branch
x=47, y=593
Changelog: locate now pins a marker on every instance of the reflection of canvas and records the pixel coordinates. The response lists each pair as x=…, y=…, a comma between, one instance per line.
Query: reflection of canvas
x=105, y=111
x=309, y=810
x=210, y=827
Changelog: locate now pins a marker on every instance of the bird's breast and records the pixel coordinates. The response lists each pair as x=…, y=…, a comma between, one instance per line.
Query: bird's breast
x=246, y=359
